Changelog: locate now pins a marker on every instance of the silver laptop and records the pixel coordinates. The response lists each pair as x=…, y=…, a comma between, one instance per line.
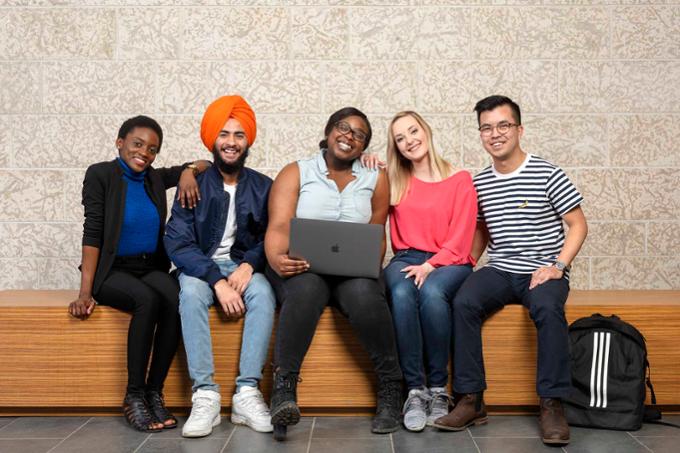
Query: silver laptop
x=337, y=248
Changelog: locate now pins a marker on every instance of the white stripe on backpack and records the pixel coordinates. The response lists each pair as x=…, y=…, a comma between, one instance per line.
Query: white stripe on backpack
x=599, y=369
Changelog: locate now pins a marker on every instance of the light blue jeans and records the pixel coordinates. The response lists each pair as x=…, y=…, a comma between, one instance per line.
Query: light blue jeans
x=195, y=298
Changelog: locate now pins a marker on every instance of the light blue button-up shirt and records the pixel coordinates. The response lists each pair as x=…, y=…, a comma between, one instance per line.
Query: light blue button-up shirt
x=320, y=198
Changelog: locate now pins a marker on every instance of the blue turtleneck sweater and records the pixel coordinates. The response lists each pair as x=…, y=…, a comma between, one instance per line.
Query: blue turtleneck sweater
x=141, y=222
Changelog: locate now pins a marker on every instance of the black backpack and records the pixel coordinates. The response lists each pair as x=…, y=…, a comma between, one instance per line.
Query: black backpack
x=609, y=371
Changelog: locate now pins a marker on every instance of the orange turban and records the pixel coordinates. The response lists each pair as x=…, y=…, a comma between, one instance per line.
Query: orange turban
x=220, y=111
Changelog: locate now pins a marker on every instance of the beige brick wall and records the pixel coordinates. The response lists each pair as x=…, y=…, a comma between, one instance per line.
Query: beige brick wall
x=599, y=82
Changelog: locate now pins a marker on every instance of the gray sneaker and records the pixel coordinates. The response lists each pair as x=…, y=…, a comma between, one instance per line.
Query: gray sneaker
x=438, y=404
x=415, y=407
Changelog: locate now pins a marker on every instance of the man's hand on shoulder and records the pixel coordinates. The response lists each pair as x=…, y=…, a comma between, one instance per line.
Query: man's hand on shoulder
x=229, y=299
x=240, y=278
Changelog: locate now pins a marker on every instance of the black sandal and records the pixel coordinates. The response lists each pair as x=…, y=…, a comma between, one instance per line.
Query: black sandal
x=157, y=407
x=137, y=414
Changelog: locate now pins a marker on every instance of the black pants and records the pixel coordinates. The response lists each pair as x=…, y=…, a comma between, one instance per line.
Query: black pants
x=153, y=299
x=489, y=290
x=362, y=300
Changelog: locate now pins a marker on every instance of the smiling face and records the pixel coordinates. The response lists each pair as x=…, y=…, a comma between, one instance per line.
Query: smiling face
x=501, y=147
x=410, y=138
x=346, y=147
x=139, y=148
x=231, y=143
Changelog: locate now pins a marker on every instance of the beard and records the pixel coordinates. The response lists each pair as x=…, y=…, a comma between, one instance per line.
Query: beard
x=233, y=168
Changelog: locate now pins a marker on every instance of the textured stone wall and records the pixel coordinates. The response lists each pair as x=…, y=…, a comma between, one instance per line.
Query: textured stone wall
x=599, y=83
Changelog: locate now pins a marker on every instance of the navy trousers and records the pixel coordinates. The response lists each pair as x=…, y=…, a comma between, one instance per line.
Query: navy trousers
x=489, y=290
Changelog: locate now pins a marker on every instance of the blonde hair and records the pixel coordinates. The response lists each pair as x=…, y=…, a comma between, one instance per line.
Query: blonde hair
x=400, y=169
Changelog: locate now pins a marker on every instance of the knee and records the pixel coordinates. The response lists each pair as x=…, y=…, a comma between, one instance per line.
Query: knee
x=403, y=296
x=260, y=295
x=147, y=304
x=465, y=304
x=194, y=294
x=546, y=310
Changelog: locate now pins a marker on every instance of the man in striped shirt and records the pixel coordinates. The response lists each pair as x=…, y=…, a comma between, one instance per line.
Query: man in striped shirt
x=523, y=201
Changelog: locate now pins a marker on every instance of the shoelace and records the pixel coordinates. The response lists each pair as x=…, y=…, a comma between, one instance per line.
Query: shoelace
x=257, y=403
x=438, y=397
x=416, y=400
x=201, y=407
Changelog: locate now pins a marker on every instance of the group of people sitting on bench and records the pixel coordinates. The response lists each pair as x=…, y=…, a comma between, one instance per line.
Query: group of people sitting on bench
x=228, y=236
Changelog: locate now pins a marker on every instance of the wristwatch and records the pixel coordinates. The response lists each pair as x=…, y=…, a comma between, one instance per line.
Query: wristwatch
x=193, y=167
x=560, y=266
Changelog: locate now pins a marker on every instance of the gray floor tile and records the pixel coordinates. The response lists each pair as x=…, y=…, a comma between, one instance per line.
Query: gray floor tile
x=103, y=435
x=380, y=444
x=245, y=440
x=584, y=440
x=650, y=429
x=204, y=445
x=344, y=427
x=433, y=441
x=507, y=426
x=27, y=446
x=4, y=421
x=661, y=444
x=36, y=427
x=222, y=431
x=515, y=445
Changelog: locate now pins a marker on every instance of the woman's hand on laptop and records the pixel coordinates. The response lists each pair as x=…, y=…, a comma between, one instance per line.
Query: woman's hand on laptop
x=286, y=266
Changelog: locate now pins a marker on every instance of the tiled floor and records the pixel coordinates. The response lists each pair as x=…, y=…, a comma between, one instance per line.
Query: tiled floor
x=504, y=434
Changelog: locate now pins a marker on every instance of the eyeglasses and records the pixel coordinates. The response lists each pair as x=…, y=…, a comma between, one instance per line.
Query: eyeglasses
x=503, y=128
x=344, y=128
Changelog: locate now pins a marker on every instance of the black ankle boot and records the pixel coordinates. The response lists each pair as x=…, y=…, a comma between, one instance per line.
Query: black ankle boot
x=388, y=413
x=284, y=408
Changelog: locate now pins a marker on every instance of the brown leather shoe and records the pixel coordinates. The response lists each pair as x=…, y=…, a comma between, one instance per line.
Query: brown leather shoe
x=470, y=410
x=554, y=427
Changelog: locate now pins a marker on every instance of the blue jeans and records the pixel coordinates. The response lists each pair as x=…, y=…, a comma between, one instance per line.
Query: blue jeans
x=195, y=298
x=422, y=317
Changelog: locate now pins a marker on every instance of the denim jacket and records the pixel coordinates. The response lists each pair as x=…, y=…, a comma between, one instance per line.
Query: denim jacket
x=193, y=235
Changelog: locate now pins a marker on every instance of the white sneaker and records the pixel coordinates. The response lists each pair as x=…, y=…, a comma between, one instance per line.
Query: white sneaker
x=205, y=414
x=248, y=408
x=438, y=405
x=415, y=417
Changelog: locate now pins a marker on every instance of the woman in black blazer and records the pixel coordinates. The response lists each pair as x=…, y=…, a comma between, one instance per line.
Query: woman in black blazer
x=124, y=264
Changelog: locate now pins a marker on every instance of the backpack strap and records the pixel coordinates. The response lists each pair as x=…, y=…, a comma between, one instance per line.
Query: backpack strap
x=653, y=415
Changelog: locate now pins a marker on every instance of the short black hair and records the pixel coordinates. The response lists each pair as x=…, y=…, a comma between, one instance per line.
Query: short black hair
x=341, y=115
x=141, y=121
x=491, y=102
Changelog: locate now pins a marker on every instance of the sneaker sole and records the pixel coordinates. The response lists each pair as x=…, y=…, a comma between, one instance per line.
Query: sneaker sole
x=286, y=414
x=475, y=422
x=555, y=441
x=241, y=420
x=216, y=421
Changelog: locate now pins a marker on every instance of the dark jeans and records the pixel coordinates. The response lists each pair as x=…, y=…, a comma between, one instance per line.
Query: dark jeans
x=489, y=290
x=303, y=299
x=152, y=297
x=422, y=317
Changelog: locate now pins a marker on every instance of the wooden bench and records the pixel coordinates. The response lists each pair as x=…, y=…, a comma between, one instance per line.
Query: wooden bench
x=52, y=363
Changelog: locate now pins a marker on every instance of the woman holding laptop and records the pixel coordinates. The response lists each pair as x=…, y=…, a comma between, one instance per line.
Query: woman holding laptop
x=433, y=211
x=332, y=185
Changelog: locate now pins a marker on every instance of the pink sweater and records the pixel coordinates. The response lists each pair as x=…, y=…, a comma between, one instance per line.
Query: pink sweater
x=437, y=217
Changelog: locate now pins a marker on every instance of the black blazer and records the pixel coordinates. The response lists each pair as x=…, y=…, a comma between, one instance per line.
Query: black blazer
x=104, y=190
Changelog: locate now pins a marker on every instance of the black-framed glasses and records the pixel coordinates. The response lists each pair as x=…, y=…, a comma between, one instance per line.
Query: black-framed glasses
x=503, y=128
x=344, y=128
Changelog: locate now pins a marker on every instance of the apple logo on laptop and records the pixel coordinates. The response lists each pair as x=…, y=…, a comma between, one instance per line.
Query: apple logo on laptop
x=335, y=248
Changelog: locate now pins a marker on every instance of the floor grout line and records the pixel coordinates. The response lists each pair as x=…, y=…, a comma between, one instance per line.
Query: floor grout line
x=473, y=440
x=231, y=434
x=31, y=438
x=640, y=442
x=65, y=438
x=15, y=419
x=311, y=433
x=392, y=442
x=142, y=444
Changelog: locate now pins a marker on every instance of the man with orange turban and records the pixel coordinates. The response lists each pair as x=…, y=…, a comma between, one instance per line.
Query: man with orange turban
x=218, y=247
